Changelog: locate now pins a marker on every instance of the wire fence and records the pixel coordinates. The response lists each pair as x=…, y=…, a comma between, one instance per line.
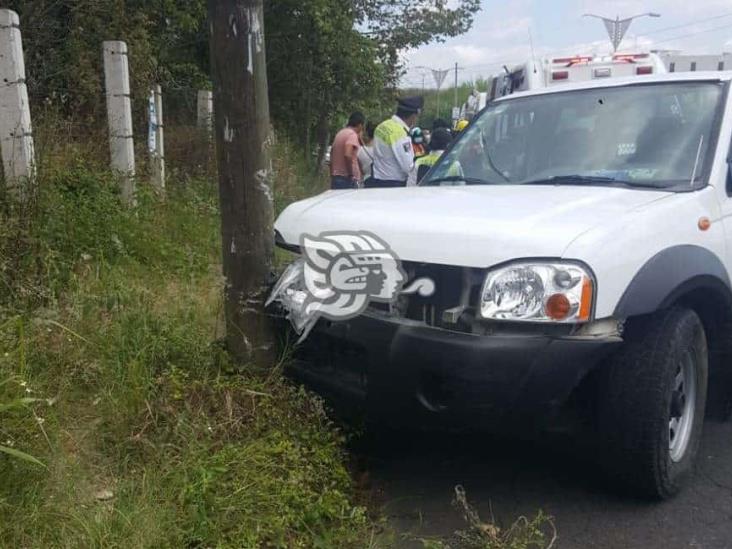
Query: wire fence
x=76, y=114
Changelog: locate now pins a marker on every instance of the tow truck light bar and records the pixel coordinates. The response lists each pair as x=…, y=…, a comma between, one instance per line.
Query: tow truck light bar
x=569, y=61
x=629, y=57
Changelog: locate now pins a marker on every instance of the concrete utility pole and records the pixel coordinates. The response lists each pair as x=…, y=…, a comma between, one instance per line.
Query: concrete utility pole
x=119, y=116
x=241, y=127
x=16, y=139
x=156, y=139
x=204, y=110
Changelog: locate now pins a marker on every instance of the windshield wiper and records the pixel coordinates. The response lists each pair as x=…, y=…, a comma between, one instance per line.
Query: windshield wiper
x=584, y=180
x=468, y=180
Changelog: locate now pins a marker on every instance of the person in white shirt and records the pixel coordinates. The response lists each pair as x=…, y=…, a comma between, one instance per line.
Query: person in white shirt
x=366, y=152
x=393, y=153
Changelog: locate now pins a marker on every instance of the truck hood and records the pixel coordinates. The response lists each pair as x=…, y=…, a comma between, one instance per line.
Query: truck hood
x=472, y=226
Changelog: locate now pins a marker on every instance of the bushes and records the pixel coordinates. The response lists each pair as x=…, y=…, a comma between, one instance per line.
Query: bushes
x=150, y=435
x=78, y=223
x=294, y=179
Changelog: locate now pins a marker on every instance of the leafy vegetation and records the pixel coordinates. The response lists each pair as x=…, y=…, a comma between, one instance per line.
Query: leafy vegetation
x=524, y=533
x=325, y=57
x=123, y=422
x=536, y=533
x=111, y=377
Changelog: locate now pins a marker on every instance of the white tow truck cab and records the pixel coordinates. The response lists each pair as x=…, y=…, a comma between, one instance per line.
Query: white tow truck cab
x=579, y=237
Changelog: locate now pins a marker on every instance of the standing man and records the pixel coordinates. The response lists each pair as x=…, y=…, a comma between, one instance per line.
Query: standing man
x=393, y=153
x=344, y=170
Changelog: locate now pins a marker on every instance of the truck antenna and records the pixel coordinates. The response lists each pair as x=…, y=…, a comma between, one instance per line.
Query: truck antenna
x=531, y=45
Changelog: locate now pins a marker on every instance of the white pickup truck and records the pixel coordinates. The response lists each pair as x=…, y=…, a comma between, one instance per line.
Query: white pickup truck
x=579, y=239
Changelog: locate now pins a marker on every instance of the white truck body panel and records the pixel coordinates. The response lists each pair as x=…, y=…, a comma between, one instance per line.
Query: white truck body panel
x=614, y=231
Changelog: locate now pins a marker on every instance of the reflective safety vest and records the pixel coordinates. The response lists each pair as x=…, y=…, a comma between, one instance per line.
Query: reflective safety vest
x=393, y=153
x=422, y=166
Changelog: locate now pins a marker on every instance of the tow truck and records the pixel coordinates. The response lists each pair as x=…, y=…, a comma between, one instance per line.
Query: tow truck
x=551, y=71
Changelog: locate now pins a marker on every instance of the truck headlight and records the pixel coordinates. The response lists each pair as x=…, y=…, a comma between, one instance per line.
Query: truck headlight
x=538, y=292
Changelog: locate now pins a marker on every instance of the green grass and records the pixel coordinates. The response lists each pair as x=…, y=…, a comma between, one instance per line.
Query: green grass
x=123, y=421
x=149, y=435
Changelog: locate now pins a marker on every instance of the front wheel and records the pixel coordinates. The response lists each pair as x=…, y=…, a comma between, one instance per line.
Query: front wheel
x=652, y=400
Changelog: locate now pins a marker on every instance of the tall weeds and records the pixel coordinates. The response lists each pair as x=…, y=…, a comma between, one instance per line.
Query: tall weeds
x=111, y=376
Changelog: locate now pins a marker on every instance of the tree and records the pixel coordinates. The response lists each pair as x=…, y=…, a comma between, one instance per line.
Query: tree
x=400, y=24
x=329, y=57
x=319, y=66
x=241, y=127
x=167, y=42
x=326, y=57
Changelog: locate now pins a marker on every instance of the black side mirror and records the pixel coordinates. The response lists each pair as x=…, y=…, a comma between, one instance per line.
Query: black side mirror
x=729, y=175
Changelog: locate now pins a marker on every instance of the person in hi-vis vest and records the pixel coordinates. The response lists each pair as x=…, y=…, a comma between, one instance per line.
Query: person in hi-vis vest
x=440, y=141
x=393, y=153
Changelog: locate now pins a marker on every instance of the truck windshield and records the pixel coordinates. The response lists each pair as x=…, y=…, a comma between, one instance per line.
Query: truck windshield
x=648, y=136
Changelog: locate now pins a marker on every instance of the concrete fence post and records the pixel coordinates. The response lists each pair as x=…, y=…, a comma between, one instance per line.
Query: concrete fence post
x=16, y=139
x=119, y=116
x=156, y=143
x=204, y=110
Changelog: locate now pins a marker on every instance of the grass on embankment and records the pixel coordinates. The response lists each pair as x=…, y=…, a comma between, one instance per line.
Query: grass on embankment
x=149, y=435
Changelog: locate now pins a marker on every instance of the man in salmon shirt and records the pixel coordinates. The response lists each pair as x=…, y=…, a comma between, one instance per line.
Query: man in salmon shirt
x=345, y=172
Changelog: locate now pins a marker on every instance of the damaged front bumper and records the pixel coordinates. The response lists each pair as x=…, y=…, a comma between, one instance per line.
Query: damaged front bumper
x=399, y=370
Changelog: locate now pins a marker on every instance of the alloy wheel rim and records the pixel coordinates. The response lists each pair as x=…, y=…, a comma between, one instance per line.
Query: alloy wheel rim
x=683, y=407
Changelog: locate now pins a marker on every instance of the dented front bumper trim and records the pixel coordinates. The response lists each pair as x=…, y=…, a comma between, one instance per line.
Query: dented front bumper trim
x=399, y=369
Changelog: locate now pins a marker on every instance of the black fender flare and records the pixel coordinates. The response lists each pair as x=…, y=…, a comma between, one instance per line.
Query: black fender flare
x=670, y=274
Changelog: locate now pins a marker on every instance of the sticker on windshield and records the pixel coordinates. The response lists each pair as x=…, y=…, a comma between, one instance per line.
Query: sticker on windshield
x=642, y=173
x=625, y=149
x=337, y=277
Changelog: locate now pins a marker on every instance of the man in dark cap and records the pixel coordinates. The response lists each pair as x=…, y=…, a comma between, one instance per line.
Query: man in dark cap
x=438, y=123
x=393, y=153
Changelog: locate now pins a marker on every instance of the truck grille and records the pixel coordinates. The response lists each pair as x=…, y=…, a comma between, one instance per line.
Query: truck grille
x=454, y=287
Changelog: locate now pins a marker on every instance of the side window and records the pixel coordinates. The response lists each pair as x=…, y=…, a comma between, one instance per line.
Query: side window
x=517, y=80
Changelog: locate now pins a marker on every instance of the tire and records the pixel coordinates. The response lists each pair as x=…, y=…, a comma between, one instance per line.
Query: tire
x=640, y=393
x=719, y=397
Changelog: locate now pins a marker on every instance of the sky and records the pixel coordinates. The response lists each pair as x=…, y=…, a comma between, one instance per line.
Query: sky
x=500, y=33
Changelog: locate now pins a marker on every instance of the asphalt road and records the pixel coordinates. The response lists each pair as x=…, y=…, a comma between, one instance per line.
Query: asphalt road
x=414, y=483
